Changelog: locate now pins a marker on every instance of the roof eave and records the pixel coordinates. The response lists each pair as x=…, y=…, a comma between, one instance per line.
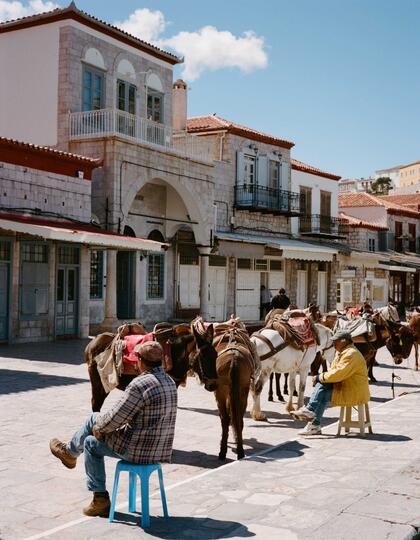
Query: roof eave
x=72, y=12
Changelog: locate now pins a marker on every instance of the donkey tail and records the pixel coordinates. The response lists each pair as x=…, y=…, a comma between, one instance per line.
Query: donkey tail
x=236, y=411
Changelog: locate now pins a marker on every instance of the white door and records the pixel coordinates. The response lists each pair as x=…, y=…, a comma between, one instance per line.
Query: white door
x=302, y=291
x=275, y=282
x=248, y=295
x=217, y=293
x=189, y=286
x=322, y=291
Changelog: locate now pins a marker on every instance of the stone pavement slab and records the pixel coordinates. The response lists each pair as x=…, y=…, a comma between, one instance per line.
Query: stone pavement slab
x=298, y=490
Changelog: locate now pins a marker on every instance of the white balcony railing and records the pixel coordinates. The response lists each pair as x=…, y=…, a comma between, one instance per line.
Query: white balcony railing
x=105, y=122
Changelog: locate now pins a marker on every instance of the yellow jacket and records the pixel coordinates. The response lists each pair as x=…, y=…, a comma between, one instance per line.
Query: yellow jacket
x=349, y=374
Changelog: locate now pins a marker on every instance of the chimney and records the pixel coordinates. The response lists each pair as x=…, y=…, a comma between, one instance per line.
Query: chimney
x=179, y=105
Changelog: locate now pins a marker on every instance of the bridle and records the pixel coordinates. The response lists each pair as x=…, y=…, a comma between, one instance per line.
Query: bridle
x=199, y=364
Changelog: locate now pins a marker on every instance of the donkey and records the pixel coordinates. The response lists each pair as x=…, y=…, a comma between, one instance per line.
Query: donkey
x=229, y=375
x=414, y=327
x=181, y=342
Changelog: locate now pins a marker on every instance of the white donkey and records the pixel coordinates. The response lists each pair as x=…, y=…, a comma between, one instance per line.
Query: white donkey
x=278, y=358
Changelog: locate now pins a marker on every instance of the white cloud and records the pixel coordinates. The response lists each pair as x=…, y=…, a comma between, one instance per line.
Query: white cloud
x=212, y=49
x=207, y=49
x=15, y=9
x=145, y=24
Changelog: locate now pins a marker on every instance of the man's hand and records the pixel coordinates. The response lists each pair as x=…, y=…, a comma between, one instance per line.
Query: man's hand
x=97, y=433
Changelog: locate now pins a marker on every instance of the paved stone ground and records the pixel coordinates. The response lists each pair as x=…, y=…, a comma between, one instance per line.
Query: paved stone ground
x=347, y=488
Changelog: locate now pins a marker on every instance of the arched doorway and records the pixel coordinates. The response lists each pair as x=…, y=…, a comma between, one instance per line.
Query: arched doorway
x=126, y=283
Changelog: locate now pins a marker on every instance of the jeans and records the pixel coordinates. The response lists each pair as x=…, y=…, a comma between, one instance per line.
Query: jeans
x=319, y=400
x=95, y=451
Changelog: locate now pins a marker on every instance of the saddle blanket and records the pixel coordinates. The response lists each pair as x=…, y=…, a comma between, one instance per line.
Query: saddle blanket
x=302, y=326
x=358, y=328
x=130, y=357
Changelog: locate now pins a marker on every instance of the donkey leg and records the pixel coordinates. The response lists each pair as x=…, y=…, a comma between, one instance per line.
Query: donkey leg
x=256, y=412
x=98, y=392
x=278, y=389
x=292, y=385
x=224, y=419
x=286, y=384
x=416, y=352
x=302, y=385
x=270, y=388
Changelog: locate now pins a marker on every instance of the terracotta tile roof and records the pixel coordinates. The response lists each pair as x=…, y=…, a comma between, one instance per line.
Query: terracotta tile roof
x=300, y=166
x=360, y=223
x=6, y=142
x=411, y=200
x=358, y=200
x=202, y=124
x=72, y=12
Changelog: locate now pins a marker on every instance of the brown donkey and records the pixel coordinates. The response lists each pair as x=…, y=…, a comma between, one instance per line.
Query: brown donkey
x=229, y=377
x=182, y=344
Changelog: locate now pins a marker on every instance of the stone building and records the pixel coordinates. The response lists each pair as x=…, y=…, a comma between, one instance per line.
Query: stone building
x=254, y=206
x=108, y=95
x=395, y=237
x=51, y=255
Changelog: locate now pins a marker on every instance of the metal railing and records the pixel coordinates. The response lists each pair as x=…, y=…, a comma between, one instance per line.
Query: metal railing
x=317, y=224
x=265, y=199
x=105, y=122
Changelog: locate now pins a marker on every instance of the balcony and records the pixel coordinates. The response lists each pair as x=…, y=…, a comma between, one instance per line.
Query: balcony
x=108, y=122
x=268, y=200
x=322, y=226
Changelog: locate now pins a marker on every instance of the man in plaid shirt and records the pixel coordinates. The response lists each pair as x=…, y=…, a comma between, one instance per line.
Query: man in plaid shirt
x=139, y=428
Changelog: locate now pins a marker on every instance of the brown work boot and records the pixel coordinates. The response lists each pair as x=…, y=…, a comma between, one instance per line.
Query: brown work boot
x=60, y=451
x=99, y=506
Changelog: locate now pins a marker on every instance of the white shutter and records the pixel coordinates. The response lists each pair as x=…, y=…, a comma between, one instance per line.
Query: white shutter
x=239, y=168
x=284, y=175
x=262, y=171
x=347, y=291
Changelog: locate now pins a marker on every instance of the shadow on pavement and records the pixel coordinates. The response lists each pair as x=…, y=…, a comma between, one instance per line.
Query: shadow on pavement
x=60, y=352
x=195, y=458
x=383, y=437
x=183, y=527
x=24, y=381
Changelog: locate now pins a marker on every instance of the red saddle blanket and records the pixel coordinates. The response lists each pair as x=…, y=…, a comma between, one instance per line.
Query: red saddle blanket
x=303, y=328
x=130, y=357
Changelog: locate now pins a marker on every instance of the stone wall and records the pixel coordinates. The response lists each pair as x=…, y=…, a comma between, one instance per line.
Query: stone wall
x=73, y=44
x=26, y=188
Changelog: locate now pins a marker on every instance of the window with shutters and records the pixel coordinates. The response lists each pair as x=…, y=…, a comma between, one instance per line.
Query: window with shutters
x=126, y=96
x=93, y=89
x=34, y=280
x=273, y=174
x=154, y=106
x=249, y=172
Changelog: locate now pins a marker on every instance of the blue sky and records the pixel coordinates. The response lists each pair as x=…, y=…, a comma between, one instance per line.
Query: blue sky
x=342, y=78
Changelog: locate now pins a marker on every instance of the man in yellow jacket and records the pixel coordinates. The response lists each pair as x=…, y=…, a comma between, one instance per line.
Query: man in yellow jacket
x=345, y=383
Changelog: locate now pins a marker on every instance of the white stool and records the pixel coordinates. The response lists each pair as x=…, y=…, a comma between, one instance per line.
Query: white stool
x=362, y=422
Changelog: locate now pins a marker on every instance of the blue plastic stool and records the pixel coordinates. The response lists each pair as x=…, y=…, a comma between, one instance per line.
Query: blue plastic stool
x=143, y=472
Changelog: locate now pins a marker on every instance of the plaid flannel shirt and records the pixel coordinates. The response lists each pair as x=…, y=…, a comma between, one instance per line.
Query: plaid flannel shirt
x=141, y=425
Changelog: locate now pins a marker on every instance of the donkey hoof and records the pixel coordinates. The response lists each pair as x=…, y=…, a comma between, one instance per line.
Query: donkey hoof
x=270, y=398
x=281, y=398
x=222, y=456
x=241, y=455
x=259, y=417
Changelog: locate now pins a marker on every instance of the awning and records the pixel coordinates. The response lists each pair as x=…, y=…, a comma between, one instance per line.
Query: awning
x=291, y=249
x=401, y=269
x=75, y=233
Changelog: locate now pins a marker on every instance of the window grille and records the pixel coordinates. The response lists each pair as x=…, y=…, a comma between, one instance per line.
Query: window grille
x=68, y=255
x=217, y=260
x=244, y=264
x=35, y=253
x=155, y=276
x=96, y=273
x=261, y=264
x=4, y=251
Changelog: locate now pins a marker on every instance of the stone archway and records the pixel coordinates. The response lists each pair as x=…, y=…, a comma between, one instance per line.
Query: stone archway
x=195, y=200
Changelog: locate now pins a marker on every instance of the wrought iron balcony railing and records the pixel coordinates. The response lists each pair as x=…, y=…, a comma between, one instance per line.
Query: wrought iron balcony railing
x=268, y=200
x=322, y=226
